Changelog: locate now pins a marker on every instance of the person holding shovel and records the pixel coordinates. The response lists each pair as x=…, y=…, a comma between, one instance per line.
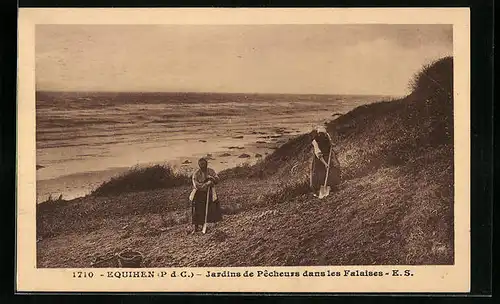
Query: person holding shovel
x=203, y=197
x=325, y=167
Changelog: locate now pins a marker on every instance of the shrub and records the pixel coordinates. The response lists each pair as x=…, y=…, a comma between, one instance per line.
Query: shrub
x=241, y=170
x=143, y=179
x=434, y=80
x=50, y=200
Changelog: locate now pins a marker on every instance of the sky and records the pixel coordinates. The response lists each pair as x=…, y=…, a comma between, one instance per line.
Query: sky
x=302, y=59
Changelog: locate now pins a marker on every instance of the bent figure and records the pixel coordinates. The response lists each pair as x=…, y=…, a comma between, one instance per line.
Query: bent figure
x=322, y=145
x=204, y=180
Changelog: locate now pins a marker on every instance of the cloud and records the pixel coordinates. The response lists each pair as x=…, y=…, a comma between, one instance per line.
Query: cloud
x=368, y=59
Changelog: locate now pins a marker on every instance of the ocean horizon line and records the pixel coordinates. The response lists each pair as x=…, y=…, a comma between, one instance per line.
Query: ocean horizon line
x=211, y=93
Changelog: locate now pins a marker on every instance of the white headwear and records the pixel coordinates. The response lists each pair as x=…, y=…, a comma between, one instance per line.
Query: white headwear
x=321, y=129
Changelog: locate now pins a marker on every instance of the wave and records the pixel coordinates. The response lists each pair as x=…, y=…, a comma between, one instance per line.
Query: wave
x=99, y=132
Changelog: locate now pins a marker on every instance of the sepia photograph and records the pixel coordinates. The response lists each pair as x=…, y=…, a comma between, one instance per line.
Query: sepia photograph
x=244, y=145
x=280, y=144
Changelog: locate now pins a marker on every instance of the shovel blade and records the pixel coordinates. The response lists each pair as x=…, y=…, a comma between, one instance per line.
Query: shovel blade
x=204, y=230
x=324, y=191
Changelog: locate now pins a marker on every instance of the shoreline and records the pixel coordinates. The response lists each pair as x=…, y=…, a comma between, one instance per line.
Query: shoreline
x=80, y=184
x=250, y=130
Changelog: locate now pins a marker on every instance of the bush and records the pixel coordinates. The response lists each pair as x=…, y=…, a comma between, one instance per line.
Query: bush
x=434, y=80
x=143, y=179
x=240, y=171
x=50, y=200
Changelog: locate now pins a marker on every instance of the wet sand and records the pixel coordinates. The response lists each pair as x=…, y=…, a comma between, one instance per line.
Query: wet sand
x=222, y=153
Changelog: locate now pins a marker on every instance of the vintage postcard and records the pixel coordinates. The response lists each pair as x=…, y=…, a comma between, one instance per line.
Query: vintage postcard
x=243, y=150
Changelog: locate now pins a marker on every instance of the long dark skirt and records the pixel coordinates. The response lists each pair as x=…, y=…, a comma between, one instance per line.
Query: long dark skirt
x=199, y=206
x=318, y=174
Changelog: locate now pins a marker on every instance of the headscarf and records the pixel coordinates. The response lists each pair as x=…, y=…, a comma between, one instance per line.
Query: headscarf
x=321, y=129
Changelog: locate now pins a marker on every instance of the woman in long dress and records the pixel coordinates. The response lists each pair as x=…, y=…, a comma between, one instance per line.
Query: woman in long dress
x=322, y=144
x=204, y=180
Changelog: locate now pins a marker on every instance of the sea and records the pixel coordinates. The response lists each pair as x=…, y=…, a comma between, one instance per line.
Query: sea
x=86, y=138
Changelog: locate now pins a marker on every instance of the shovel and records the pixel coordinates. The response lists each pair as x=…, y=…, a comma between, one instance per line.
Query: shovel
x=324, y=190
x=204, y=230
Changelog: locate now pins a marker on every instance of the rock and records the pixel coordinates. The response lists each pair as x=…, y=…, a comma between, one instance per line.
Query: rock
x=238, y=137
x=187, y=161
x=225, y=154
x=258, y=155
x=279, y=130
x=202, y=140
x=39, y=167
x=261, y=142
x=244, y=155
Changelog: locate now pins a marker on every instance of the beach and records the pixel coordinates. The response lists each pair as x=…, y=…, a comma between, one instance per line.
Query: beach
x=84, y=139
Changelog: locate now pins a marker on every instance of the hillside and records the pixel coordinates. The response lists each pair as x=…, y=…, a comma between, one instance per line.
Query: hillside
x=394, y=206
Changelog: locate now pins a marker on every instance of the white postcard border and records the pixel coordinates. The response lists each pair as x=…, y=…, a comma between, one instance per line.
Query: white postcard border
x=455, y=278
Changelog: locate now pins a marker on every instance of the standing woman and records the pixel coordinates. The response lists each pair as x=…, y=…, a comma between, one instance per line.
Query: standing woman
x=322, y=144
x=204, y=180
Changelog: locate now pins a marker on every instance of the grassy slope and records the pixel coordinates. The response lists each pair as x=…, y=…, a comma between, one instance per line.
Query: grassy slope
x=395, y=205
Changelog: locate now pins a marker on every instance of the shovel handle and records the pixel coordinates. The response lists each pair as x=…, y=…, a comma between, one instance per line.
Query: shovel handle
x=328, y=168
x=206, y=210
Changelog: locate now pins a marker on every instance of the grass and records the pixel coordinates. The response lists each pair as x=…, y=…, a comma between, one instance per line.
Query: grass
x=434, y=79
x=142, y=179
x=393, y=207
x=240, y=171
x=286, y=192
x=51, y=200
